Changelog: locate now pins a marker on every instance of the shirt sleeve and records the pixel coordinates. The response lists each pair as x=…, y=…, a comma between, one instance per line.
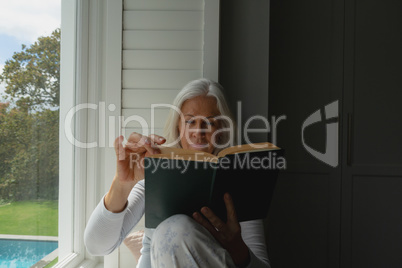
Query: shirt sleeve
x=106, y=230
x=253, y=235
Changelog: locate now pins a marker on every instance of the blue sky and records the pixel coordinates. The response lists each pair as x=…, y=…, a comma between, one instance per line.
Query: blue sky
x=8, y=45
x=22, y=22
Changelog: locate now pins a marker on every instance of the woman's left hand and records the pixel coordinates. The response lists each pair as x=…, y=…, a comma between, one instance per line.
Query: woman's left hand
x=227, y=234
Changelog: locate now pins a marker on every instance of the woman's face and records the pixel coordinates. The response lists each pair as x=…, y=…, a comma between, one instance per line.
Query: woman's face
x=197, y=124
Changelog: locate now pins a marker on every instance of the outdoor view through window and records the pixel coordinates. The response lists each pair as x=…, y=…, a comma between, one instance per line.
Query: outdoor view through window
x=29, y=132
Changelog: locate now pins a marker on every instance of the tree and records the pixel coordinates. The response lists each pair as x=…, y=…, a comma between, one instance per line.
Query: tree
x=32, y=76
x=5, y=151
x=32, y=171
x=29, y=122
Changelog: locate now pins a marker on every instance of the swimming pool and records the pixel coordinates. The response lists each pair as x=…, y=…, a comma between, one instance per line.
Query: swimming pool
x=23, y=253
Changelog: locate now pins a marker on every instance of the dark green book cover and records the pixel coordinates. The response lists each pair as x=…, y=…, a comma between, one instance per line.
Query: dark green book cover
x=178, y=186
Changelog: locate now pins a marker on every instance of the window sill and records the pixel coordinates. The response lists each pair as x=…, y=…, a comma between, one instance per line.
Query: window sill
x=75, y=260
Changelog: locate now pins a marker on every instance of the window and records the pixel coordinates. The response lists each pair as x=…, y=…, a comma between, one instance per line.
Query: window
x=29, y=127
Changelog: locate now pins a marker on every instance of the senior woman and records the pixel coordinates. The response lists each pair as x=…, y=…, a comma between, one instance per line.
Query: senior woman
x=179, y=241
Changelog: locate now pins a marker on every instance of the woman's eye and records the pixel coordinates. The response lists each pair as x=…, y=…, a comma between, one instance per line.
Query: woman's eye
x=192, y=122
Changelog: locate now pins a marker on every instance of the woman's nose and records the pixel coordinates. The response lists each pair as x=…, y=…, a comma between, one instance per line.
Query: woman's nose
x=199, y=129
x=196, y=132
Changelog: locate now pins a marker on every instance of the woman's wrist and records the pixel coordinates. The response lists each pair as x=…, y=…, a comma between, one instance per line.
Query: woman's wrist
x=241, y=255
x=116, y=198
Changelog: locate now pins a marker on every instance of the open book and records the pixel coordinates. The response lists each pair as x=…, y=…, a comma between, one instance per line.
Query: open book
x=180, y=181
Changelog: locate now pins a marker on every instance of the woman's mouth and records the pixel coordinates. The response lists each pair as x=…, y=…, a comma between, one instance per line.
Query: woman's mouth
x=199, y=145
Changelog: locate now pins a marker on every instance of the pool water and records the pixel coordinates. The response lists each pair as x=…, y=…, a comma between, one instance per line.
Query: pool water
x=23, y=253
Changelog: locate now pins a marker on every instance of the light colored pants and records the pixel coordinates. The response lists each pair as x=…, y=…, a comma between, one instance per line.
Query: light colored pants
x=180, y=241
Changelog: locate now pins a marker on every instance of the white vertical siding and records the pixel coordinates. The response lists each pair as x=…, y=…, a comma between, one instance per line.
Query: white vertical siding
x=163, y=42
x=162, y=51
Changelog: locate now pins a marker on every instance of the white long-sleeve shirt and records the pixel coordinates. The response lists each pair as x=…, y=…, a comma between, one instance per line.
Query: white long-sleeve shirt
x=106, y=230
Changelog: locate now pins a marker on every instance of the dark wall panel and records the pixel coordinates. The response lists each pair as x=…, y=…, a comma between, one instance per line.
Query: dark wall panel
x=243, y=63
x=378, y=83
x=376, y=222
x=296, y=233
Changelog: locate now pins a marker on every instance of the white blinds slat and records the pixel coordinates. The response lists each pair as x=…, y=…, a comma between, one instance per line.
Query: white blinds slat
x=163, y=20
x=144, y=98
x=163, y=4
x=145, y=114
x=174, y=40
x=170, y=79
x=162, y=59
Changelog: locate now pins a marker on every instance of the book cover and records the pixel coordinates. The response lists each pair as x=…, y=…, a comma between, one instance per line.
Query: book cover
x=181, y=181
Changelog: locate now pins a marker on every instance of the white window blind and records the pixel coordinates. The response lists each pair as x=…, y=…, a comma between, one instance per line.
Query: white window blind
x=162, y=51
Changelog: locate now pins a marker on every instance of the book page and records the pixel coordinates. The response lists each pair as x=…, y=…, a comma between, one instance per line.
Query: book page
x=184, y=154
x=252, y=147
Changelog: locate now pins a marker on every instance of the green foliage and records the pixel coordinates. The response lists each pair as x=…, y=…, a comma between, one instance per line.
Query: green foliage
x=29, y=122
x=29, y=218
x=30, y=163
x=32, y=76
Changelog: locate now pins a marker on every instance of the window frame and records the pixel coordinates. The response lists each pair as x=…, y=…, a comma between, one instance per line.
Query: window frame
x=87, y=76
x=66, y=152
x=71, y=92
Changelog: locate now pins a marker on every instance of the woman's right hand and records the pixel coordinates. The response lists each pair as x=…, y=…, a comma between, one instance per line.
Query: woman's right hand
x=130, y=158
x=130, y=167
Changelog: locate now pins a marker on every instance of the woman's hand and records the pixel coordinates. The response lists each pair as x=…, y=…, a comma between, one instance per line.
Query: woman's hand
x=130, y=167
x=130, y=158
x=227, y=234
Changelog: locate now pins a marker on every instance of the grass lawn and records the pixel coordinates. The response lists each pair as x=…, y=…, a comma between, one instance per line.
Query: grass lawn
x=52, y=263
x=29, y=218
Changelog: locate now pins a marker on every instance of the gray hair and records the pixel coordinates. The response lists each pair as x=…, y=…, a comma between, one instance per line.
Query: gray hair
x=195, y=88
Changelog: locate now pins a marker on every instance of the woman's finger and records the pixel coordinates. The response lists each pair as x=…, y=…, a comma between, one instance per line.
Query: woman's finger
x=134, y=137
x=213, y=219
x=140, y=144
x=135, y=143
x=119, y=148
x=148, y=146
x=231, y=212
x=157, y=139
x=197, y=216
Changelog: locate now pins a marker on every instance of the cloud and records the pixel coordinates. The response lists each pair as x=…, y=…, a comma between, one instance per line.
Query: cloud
x=28, y=19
